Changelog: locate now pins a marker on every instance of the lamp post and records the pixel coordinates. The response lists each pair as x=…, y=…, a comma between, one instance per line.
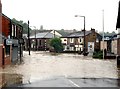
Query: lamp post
x=28, y=38
x=84, y=49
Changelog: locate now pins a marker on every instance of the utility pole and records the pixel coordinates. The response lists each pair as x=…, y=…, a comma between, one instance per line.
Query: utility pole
x=28, y=38
x=84, y=48
x=84, y=37
x=54, y=33
x=103, y=34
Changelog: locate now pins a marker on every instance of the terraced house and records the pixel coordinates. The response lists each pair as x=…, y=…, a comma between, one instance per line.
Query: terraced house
x=11, y=41
x=41, y=40
x=75, y=41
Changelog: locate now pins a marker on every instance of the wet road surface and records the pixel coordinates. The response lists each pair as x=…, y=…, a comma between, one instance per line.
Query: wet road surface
x=44, y=69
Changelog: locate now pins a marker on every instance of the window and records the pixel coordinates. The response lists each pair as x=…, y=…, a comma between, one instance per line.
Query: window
x=80, y=40
x=12, y=30
x=15, y=30
x=40, y=42
x=18, y=32
x=71, y=40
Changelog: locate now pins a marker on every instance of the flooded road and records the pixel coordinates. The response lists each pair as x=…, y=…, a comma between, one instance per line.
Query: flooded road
x=42, y=66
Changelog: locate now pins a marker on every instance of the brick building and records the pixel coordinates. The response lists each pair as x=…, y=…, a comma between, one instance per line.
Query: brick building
x=75, y=41
x=41, y=41
x=12, y=41
x=6, y=53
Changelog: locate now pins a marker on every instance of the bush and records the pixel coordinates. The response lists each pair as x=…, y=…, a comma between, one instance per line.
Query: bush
x=98, y=54
x=56, y=44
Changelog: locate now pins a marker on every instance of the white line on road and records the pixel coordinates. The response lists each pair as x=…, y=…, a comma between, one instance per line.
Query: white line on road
x=71, y=81
x=74, y=83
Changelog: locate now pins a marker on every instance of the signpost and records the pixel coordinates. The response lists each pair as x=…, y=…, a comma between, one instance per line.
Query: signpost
x=9, y=42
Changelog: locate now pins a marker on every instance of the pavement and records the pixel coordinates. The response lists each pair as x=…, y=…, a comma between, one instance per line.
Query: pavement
x=72, y=82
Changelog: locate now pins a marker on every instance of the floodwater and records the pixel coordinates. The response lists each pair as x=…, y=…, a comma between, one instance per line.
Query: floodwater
x=40, y=66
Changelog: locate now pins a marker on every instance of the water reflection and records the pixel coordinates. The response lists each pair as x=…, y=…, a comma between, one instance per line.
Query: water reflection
x=10, y=79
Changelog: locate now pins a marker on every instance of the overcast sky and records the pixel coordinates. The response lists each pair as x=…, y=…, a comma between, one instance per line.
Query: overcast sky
x=59, y=14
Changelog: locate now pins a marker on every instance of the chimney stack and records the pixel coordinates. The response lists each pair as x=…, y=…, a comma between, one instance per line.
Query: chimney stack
x=93, y=30
x=82, y=30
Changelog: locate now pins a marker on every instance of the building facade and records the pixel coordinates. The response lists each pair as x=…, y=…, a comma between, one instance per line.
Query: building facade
x=75, y=41
x=6, y=49
x=11, y=40
x=41, y=40
x=17, y=41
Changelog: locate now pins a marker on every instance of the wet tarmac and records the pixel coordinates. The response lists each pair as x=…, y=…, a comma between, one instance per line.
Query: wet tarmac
x=44, y=69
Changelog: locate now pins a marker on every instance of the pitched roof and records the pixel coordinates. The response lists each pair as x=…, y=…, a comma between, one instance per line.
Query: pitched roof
x=44, y=35
x=63, y=33
x=32, y=33
x=79, y=34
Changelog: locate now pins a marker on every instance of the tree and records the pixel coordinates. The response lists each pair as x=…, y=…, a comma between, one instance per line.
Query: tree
x=108, y=33
x=24, y=25
x=56, y=44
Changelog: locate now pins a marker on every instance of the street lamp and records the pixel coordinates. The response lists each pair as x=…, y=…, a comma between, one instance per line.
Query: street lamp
x=84, y=49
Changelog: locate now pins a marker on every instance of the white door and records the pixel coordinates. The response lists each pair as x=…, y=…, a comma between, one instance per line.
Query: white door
x=90, y=46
